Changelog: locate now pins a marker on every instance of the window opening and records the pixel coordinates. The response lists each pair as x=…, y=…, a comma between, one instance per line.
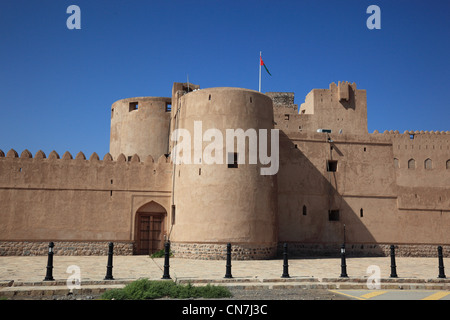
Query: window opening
x=133, y=106
x=232, y=160
x=331, y=165
x=428, y=164
x=333, y=215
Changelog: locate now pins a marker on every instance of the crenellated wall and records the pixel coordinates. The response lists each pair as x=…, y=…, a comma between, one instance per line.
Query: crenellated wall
x=380, y=200
x=77, y=199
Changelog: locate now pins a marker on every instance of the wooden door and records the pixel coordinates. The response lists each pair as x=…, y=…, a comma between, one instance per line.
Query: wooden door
x=149, y=233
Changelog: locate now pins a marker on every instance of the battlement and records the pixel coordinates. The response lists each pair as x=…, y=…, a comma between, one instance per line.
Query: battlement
x=410, y=133
x=40, y=155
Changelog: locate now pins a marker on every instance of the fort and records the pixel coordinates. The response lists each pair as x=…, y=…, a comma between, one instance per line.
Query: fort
x=335, y=183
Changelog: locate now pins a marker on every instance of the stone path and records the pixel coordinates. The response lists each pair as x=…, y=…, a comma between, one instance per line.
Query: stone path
x=22, y=273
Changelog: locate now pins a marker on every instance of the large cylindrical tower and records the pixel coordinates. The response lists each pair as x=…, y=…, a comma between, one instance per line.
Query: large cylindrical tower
x=219, y=203
x=140, y=126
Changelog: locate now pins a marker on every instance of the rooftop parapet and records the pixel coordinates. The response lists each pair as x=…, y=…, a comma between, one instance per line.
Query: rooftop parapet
x=67, y=156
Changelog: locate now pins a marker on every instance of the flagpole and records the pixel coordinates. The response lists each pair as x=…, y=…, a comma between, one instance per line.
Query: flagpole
x=260, y=71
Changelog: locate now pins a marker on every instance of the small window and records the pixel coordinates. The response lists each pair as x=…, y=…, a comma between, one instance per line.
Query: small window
x=331, y=165
x=304, y=210
x=232, y=160
x=333, y=215
x=129, y=158
x=411, y=164
x=173, y=214
x=168, y=106
x=286, y=117
x=428, y=164
x=361, y=212
x=396, y=163
x=133, y=106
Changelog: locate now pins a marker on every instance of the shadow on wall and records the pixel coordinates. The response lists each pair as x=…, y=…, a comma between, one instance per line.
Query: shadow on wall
x=312, y=211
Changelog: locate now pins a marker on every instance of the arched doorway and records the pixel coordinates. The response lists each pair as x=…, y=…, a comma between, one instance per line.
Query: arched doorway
x=150, y=228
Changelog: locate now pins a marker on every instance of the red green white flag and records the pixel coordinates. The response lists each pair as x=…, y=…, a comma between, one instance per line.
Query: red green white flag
x=263, y=64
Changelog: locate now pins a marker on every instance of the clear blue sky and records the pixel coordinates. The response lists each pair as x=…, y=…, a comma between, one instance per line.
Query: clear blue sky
x=57, y=85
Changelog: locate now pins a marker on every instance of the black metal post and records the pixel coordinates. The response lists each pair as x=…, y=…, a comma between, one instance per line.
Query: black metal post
x=343, y=263
x=109, y=267
x=166, y=274
x=441, y=263
x=49, y=274
x=393, y=266
x=285, y=262
x=228, y=266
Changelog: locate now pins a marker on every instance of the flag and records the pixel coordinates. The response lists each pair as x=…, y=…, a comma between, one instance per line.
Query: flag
x=262, y=64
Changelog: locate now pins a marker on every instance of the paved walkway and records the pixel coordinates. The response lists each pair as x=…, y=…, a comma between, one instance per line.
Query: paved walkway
x=16, y=273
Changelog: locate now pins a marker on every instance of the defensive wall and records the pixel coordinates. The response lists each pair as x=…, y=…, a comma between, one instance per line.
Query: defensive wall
x=79, y=203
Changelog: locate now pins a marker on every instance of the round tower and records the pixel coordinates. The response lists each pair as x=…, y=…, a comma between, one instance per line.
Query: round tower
x=216, y=202
x=140, y=126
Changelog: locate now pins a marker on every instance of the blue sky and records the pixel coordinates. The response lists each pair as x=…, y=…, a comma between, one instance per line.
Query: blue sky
x=57, y=85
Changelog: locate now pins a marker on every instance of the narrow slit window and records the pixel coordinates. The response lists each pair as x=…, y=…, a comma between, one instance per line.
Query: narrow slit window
x=168, y=106
x=331, y=165
x=173, y=214
x=232, y=160
x=304, y=210
x=361, y=212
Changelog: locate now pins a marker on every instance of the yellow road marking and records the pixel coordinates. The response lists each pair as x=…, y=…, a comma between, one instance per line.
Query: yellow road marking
x=437, y=295
x=346, y=294
x=372, y=294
